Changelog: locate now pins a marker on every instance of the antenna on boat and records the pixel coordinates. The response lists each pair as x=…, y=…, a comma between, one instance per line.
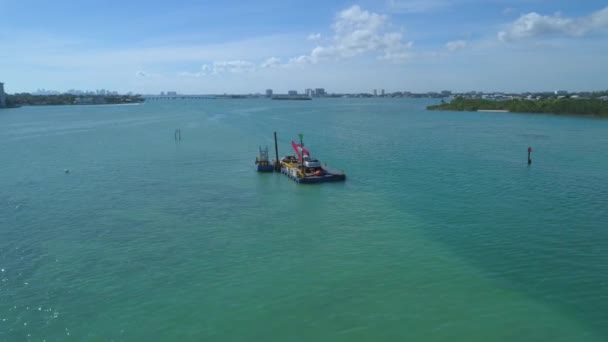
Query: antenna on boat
x=302, y=144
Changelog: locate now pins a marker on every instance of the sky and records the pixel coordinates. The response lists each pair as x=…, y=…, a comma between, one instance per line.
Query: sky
x=216, y=47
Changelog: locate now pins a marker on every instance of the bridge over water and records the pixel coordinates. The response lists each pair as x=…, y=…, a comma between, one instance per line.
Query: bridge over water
x=179, y=97
x=201, y=97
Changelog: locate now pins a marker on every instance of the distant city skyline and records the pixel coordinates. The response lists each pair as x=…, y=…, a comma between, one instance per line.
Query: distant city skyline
x=316, y=92
x=349, y=47
x=44, y=91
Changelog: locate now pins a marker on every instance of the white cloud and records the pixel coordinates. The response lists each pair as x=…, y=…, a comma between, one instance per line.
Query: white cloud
x=236, y=66
x=314, y=36
x=190, y=74
x=300, y=60
x=141, y=75
x=456, y=45
x=220, y=67
x=271, y=62
x=354, y=19
x=321, y=53
x=534, y=25
x=82, y=57
x=394, y=49
x=415, y=6
x=357, y=32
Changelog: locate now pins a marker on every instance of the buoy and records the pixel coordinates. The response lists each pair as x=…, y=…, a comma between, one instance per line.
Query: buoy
x=66, y=170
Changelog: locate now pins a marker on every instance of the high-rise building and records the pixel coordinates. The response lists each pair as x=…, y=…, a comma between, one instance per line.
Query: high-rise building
x=171, y=93
x=375, y=92
x=309, y=92
x=268, y=92
x=2, y=96
x=320, y=92
x=382, y=92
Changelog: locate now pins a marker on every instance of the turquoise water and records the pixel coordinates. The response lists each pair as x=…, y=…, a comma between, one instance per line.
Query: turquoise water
x=442, y=232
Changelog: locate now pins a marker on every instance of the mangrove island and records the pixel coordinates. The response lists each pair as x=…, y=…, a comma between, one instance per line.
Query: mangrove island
x=572, y=106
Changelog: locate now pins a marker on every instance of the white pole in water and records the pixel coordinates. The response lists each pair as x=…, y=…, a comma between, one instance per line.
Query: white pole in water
x=277, y=165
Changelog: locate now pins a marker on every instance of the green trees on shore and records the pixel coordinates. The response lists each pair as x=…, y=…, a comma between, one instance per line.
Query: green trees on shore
x=25, y=99
x=593, y=107
x=29, y=99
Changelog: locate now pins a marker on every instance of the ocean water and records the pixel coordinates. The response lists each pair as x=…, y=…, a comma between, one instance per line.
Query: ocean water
x=442, y=232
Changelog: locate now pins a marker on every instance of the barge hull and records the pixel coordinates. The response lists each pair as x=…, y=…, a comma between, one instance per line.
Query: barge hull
x=265, y=168
x=326, y=178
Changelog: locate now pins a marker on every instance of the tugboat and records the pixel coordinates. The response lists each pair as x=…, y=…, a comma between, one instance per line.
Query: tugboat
x=261, y=161
x=305, y=169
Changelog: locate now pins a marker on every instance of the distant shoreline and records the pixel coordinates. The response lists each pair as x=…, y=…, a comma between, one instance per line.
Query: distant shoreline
x=74, y=105
x=26, y=99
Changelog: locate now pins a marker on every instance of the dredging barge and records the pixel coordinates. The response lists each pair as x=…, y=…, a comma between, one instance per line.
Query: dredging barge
x=311, y=172
x=304, y=169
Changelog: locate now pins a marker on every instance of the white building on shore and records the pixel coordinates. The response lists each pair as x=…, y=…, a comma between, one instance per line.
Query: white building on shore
x=2, y=96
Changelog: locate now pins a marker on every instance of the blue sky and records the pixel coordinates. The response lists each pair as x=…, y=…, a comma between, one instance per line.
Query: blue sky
x=343, y=46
